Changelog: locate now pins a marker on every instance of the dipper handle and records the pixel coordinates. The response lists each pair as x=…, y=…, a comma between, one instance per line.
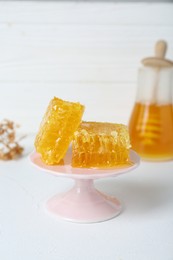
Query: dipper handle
x=160, y=49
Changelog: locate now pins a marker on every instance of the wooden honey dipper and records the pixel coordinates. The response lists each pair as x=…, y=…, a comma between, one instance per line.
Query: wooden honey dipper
x=159, y=59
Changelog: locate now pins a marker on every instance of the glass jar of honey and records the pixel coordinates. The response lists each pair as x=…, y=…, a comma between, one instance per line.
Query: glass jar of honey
x=151, y=121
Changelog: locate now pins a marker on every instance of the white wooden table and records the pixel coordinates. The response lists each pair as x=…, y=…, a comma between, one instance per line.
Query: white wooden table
x=144, y=230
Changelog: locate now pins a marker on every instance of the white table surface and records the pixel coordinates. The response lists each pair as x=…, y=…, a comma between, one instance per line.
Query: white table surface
x=143, y=231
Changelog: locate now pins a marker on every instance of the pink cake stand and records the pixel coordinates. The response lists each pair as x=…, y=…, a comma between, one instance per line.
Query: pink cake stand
x=83, y=203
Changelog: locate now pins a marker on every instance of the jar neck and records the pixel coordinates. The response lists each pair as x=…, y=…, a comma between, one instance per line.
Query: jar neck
x=155, y=85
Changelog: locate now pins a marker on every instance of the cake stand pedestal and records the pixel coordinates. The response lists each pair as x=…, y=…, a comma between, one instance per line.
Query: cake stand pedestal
x=83, y=203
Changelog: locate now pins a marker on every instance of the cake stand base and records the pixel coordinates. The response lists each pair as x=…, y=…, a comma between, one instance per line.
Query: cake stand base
x=84, y=204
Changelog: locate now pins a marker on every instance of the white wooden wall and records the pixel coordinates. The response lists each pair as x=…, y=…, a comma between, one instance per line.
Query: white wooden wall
x=87, y=52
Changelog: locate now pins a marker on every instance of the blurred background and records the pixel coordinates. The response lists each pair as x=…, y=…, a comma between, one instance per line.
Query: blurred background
x=87, y=51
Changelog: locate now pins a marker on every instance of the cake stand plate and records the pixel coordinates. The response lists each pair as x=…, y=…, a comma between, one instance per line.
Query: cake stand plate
x=83, y=203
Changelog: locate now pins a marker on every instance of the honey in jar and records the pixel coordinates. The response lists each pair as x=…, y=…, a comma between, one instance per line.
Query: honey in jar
x=151, y=122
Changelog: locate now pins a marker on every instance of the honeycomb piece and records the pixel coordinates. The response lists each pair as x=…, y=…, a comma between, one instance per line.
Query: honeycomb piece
x=59, y=123
x=100, y=145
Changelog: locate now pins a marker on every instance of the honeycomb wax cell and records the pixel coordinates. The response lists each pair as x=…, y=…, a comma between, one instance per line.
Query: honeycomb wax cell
x=97, y=144
x=59, y=123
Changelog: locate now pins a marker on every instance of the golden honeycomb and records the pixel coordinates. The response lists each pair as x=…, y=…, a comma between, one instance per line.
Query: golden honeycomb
x=97, y=144
x=59, y=123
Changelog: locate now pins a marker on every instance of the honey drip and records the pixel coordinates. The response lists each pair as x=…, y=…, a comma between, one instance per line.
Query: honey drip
x=151, y=131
